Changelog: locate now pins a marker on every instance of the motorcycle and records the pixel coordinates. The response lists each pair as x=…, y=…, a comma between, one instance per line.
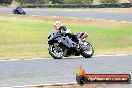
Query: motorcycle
x=61, y=45
x=21, y=12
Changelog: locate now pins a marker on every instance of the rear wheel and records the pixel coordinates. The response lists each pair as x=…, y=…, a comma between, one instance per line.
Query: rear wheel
x=24, y=13
x=88, y=50
x=55, y=51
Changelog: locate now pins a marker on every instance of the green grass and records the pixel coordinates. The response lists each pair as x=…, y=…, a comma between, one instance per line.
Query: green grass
x=25, y=37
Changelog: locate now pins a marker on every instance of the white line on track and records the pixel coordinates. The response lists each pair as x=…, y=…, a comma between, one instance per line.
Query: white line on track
x=113, y=55
x=42, y=85
x=66, y=57
x=54, y=84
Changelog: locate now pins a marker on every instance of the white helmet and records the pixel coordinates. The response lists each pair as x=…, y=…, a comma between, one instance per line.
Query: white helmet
x=58, y=24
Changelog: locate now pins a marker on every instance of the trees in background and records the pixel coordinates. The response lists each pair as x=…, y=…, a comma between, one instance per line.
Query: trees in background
x=54, y=1
x=109, y=1
x=32, y=1
x=57, y=1
x=6, y=1
x=22, y=2
x=77, y=1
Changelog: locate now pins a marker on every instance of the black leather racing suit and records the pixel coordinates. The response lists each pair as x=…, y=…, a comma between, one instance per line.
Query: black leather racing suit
x=69, y=33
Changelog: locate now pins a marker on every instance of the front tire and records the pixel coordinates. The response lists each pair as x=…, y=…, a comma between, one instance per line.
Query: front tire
x=87, y=52
x=55, y=51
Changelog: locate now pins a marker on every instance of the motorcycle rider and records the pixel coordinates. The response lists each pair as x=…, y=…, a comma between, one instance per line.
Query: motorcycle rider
x=19, y=9
x=59, y=28
x=62, y=43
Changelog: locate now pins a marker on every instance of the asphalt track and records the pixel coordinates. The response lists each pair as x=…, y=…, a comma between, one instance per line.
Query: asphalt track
x=119, y=16
x=51, y=71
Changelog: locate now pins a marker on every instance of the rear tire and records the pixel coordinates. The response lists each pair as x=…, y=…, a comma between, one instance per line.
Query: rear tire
x=87, y=53
x=24, y=13
x=55, y=51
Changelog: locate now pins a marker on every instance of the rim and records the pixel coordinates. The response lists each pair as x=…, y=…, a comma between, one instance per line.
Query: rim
x=56, y=50
x=89, y=50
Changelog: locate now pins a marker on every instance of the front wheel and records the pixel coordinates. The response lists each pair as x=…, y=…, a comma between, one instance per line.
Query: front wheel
x=87, y=51
x=55, y=51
